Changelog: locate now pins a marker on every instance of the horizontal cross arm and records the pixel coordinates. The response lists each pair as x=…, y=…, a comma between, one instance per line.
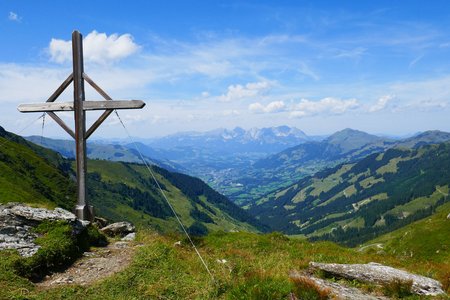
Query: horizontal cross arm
x=87, y=105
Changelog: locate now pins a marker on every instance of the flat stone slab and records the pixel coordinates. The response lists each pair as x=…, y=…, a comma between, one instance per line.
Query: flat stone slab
x=17, y=221
x=381, y=274
x=41, y=214
x=338, y=291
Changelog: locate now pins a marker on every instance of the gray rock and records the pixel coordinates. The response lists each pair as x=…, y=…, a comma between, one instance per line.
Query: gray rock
x=129, y=237
x=338, y=291
x=41, y=214
x=120, y=245
x=100, y=222
x=17, y=221
x=380, y=274
x=119, y=228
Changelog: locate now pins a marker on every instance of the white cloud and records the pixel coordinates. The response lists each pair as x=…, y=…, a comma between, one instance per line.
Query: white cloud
x=356, y=53
x=97, y=47
x=128, y=119
x=381, y=103
x=27, y=84
x=415, y=60
x=327, y=105
x=12, y=16
x=429, y=105
x=306, y=70
x=231, y=112
x=250, y=90
x=272, y=107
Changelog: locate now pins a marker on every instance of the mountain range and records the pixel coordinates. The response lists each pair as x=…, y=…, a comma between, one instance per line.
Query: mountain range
x=105, y=151
x=356, y=201
x=243, y=164
x=288, y=166
x=118, y=190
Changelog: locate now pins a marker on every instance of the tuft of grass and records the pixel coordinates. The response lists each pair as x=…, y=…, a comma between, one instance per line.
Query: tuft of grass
x=398, y=288
x=244, y=266
x=445, y=280
x=260, y=286
x=59, y=248
x=306, y=288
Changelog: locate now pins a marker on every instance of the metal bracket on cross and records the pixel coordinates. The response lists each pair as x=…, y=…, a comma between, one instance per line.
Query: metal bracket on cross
x=82, y=209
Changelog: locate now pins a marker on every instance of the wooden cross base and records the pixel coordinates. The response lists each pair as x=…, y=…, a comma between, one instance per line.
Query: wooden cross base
x=82, y=209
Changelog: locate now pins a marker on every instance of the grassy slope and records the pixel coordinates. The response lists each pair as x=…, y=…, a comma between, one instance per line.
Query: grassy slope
x=285, y=168
x=427, y=239
x=395, y=184
x=38, y=176
x=256, y=267
x=32, y=174
x=120, y=206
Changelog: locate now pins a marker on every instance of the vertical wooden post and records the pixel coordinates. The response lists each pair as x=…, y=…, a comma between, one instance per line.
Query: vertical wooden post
x=82, y=210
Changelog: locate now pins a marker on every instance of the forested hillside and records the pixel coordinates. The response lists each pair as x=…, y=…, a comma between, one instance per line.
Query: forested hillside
x=287, y=167
x=33, y=174
x=352, y=203
x=119, y=191
x=127, y=191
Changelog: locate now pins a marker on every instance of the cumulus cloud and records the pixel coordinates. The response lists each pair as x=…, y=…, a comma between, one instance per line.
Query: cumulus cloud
x=327, y=105
x=250, y=90
x=97, y=47
x=381, y=103
x=12, y=16
x=272, y=107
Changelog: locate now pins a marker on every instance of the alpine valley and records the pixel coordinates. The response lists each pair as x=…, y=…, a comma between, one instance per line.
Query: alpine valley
x=348, y=187
x=118, y=190
x=387, y=196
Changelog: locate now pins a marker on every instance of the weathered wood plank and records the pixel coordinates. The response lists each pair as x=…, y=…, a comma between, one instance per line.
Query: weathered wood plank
x=81, y=209
x=61, y=88
x=87, y=105
x=99, y=122
x=96, y=87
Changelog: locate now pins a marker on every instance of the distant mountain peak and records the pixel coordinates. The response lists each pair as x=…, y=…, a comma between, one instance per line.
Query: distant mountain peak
x=350, y=131
x=433, y=133
x=353, y=137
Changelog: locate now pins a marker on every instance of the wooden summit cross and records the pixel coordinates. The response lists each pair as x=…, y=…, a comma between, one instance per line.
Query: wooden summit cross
x=82, y=209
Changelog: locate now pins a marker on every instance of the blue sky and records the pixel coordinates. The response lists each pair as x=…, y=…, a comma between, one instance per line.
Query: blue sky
x=321, y=66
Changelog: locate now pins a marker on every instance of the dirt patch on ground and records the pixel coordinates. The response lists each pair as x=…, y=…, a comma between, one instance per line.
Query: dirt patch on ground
x=93, y=266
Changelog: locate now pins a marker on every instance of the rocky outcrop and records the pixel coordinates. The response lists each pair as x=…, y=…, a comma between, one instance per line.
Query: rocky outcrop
x=380, y=274
x=337, y=290
x=118, y=229
x=17, y=221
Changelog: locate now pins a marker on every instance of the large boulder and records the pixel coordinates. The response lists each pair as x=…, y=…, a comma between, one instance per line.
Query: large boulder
x=17, y=221
x=337, y=290
x=380, y=274
x=118, y=229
